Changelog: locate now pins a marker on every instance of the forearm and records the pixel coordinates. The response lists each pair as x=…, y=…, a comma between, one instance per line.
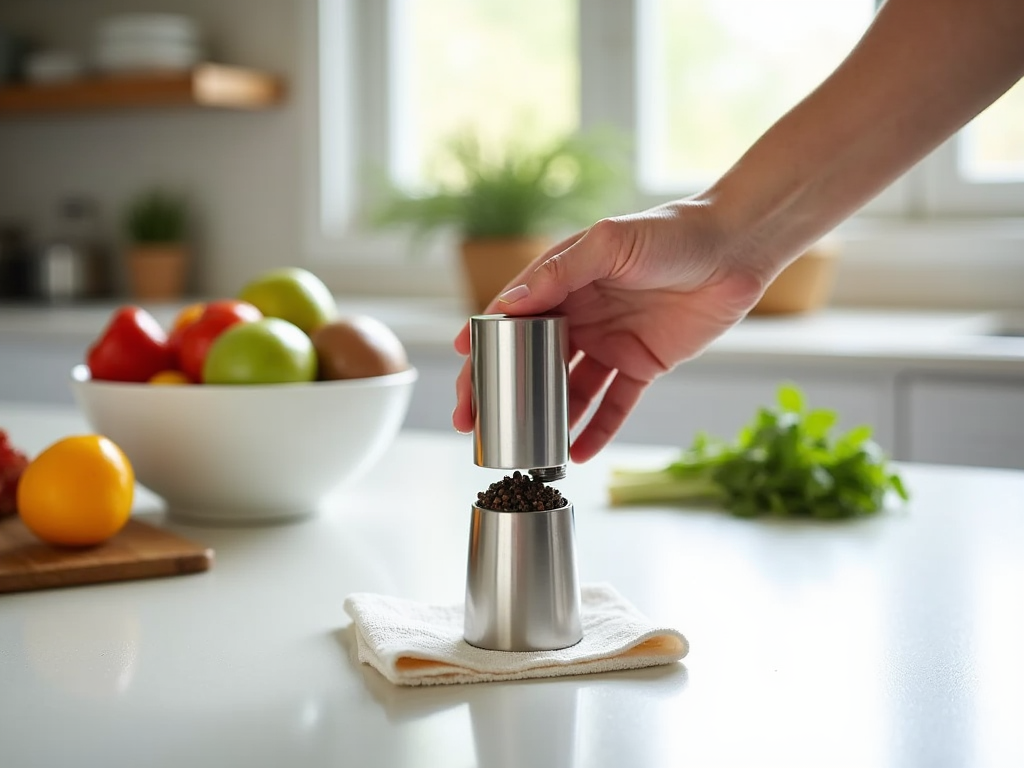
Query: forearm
x=923, y=70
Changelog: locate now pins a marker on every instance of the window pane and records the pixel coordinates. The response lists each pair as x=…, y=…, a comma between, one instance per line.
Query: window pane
x=715, y=74
x=992, y=146
x=505, y=70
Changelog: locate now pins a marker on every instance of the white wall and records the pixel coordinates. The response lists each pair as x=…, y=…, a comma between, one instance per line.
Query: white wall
x=244, y=169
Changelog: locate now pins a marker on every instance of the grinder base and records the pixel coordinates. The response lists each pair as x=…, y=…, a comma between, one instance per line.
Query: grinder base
x=522, y=587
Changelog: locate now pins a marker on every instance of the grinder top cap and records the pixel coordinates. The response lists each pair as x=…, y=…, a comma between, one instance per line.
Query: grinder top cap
x=519, y=372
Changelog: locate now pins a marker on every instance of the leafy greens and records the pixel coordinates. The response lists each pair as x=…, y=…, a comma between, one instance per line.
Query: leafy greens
x=783, y=463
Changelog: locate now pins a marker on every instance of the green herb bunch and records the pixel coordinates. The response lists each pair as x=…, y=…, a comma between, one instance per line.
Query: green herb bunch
x=518, y=190
x=156, y=216
x=783, y=463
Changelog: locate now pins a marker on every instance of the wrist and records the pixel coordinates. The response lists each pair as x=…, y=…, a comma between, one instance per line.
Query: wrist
x=739, y=232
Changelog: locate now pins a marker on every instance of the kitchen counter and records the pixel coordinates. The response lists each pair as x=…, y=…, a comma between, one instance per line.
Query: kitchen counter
x=889, y=641
x=976, y=340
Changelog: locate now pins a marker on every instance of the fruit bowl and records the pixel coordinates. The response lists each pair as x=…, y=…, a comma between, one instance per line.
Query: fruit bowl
x=247, y=453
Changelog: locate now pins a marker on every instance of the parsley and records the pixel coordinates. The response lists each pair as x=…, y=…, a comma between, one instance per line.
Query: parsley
x=783, y=463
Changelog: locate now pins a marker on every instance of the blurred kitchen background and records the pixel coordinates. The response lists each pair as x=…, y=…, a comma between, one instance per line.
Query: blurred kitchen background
x=922, y=323
x=244, y=170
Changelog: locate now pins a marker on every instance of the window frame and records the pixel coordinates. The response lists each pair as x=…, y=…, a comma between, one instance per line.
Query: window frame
x=969, y=237
x=945, y=192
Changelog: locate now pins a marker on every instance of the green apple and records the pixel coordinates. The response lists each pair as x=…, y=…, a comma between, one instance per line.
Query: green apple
x=293, y=294
x=267, y=351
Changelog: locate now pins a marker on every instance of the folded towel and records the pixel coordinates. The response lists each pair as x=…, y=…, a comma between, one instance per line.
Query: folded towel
x=412, y=643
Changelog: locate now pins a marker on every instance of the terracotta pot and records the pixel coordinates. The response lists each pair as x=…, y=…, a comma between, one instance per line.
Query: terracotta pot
x=158, y=271
x=805, y=285
x=489, y=265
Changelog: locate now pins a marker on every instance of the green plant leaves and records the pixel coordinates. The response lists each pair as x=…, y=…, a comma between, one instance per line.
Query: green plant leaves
x=790, y=399
x=156, y=216
x=783, y=463
x=521, y=190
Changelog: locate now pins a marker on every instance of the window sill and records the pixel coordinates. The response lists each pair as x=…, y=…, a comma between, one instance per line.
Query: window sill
x=945, y=265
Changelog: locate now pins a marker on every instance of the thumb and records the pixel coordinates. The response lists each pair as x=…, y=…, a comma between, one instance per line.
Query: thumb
x=583, y=260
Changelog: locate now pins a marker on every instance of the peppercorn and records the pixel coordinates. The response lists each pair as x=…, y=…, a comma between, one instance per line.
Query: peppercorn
x=520, y=493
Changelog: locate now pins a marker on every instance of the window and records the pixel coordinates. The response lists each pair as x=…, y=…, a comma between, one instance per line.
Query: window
x=992, y=147
x=981, y=170
x=692, y=81
x=714, y=74
x=495, y=68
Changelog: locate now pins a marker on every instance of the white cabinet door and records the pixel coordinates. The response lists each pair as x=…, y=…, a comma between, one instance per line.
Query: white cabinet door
x=433, y=397
x=720, y=400
x=964, y=421
x=38, y=372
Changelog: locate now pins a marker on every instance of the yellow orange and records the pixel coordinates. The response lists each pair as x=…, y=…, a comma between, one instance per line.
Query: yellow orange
x=169, y=377
x=187, y=315
x=78, y=492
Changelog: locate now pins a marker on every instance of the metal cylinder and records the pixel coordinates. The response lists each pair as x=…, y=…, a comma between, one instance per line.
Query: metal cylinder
x=522, y=587
x=519, y=371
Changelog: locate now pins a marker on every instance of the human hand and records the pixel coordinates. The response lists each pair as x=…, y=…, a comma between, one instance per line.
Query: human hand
x=641, y=293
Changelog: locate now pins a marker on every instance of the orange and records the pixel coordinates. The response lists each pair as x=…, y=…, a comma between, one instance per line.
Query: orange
x=169, y=377
x=78, y=492
x=187, y=315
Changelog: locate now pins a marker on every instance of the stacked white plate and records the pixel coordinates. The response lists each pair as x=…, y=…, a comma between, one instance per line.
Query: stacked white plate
x=147, y=42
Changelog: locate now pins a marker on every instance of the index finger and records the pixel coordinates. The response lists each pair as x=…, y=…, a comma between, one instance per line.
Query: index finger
x=498, y=305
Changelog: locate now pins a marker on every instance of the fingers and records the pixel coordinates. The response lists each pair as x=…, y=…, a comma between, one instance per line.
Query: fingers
x=575, y=262
x=587, y=381
x=462, y=416
x=499, y=303
x=571, y=264
x=619, y=399
x=462, y=340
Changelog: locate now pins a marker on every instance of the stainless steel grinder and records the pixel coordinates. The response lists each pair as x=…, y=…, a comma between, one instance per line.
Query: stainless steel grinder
x=522, y=587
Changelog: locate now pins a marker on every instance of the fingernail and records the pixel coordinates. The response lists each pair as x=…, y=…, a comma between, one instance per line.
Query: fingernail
x=513, y=295
x=460, y=430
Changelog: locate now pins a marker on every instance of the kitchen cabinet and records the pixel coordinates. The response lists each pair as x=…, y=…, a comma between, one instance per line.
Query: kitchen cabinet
x=960, y=420
x=207, y=85
x=38, y=373
x=434, y=395
x=720, y=399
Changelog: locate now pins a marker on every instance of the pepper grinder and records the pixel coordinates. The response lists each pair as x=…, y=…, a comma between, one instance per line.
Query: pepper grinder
x=522, y=588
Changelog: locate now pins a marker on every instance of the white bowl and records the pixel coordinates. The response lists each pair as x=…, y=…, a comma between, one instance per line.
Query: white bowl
x=141, y=56
x=256, y=453
x=148, y=27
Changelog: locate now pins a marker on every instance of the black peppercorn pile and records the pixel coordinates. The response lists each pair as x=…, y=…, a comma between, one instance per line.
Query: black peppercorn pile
x=520, y=493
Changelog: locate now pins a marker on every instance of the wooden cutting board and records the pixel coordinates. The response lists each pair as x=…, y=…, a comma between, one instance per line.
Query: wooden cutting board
x=138, y=551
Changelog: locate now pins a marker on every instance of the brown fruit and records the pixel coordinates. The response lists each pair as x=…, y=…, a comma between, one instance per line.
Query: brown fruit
x=357, y=347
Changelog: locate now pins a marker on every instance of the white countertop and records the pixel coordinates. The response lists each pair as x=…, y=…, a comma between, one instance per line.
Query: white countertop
x=906, y=339
x=891, y=641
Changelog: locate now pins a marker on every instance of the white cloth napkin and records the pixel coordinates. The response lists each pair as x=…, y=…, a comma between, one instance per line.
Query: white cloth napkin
x=412, y=643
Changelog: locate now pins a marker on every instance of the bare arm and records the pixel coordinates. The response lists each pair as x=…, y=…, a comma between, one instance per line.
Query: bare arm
x=648, y=291
x=922, y=70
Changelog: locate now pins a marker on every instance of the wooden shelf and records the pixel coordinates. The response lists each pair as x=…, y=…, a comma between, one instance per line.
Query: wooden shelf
x=208, y=85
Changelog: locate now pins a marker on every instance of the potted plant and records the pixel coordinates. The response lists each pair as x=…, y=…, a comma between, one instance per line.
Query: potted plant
x=156, y=226
x=506, y=205
x=806, y=284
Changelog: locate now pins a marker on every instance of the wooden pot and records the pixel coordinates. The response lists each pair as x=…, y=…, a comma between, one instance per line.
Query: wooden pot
x=158, y=272
x=803, y=286
x=489, y=264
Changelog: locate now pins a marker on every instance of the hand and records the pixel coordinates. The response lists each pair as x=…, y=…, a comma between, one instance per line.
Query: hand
x=641, y=294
